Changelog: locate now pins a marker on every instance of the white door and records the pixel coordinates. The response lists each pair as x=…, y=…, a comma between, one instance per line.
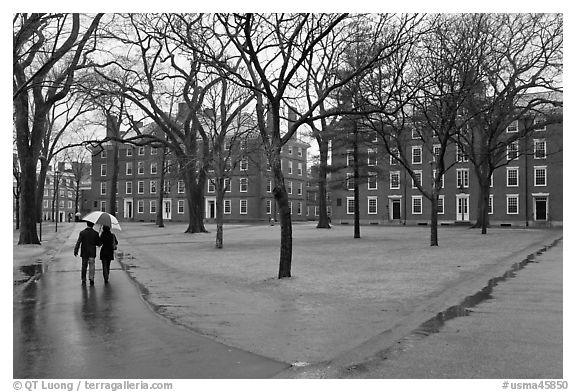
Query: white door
x=167, y=210
x=128, y=209
x=210, y=208
x=462, y=207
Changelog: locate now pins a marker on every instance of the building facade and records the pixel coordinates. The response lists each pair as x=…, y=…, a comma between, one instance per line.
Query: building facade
x=526, y=192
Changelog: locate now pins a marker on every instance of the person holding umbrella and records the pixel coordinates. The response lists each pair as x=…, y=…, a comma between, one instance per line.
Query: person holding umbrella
x=109, y=243
x=88, y=240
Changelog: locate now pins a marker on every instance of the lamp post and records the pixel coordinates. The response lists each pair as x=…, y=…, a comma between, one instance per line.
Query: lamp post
x=56, y=186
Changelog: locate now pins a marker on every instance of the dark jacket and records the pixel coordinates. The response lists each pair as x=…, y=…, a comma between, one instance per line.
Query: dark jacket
x=88, y=240
x=107, y=251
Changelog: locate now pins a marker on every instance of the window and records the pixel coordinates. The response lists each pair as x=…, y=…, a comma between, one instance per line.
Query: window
x=416, y=155
x=350, y=181
x=490, y=204
x=372, y=205
x=290, y=207
x=299, y=210
x=269, y=186
x=539, y=124
x=417, y=179
x=103, y=154
x=152, y=206
x=512, y=151
x=243, y=185
x=289, y=187
x=167, y=166
x=350, y=205
x=243, y=144
x=103, y=206
x=539, y=175
x=167, y=186
x=511, y=176
x=460, y=156
x=129, y=152
x=290, y=150
x=211, y=187
x=140, y=206
x=140, y=167
x=441, y=204
x=316, y=211
x=102, y=188
x=415, y=133
x=395, y=180
x=462, y=178
x=140, y=187
x=394, y=151
x=243, y=207
x=372, y=181
x=128, y=168
x=227, y=207
x=244, y=164
x=436, y=152
x=299, y=168
x=349, y=158
x=441, y=179
x=372, y=159
x=103, y=170
x=154, y=168
x=268, y=207
x=416, y=205
x=128, y=187
x=181, y=186
x=299, y=151
x=141, y=150
x=539, y=148
x=513, y=127
x=299, y=192
x=512, y=204
x=153, y=186
x=180, y=206
x=227, y=185
x=153, y=151
x=289, y=167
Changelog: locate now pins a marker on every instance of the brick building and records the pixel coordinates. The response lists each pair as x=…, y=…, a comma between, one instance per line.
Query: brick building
x=528, y=191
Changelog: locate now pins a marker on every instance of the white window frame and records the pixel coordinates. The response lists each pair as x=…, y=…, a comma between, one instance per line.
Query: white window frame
x=103, y=205
x=375, y=200
x=372, y=176
x=441, y=178
x=490, y=204
x=153, y=187
x=299, y=209
x=227, y=206
x=418, y=174
x=153, y=151
x=268, y=207
x=299, y=151
x=350, y=203
x=350, y=181
x=372, y=157
x=541, y=142
x=180, y=207
x=103, y=170
x=153, y=206
x=441, y=203
x=299, y=191
x=299, y=168
x=140, y=207
x=289, y=187
x=536, y=121
x=349, y=158
x=141, y=150
x=243, y=184
x=129, y=152
x=128, y=187
x=154, y=168
x=510, y=197
x=103, y=188
x=460, y=156
x=140, y=187
x=545, y=170
x=140, y=165
x=435, y=152
x=289, y=167
x=228, y=185
x=244, y=164
x=290, y=150
x=243, y=206
x=463, y=176
x=181, y=187
x=510, y=150
x=513, y=127
x=393, y=174
x=416, y=148
x=269, y=186
x=129, y=168
x=414, y=199
x=211, y=186
x=510, y=170
x=103, y=153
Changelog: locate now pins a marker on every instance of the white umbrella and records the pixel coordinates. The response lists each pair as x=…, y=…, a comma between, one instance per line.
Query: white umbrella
x=102, y=218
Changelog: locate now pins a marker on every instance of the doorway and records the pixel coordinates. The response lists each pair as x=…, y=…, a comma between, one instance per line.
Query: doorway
x=462, y=208
x=210, y=208
x=167, y=209
x=395, y=213
x=541, y=208
x=128, y=209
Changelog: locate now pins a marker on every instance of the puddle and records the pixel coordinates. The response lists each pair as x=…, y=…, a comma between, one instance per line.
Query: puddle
x=28, y=272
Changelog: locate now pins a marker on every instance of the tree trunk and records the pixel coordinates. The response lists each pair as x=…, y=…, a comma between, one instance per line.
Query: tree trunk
x=281, y=197
x=17, y=211
x=28, y=232
x=160, y=211
x=323, y=220
x=356, y=185
x=194, y=196
x=41, y=181
x=434, y=219
x=219, y=213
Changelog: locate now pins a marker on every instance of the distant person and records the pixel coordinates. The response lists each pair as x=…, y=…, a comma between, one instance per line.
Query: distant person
x=88, y=240
x=109, y=243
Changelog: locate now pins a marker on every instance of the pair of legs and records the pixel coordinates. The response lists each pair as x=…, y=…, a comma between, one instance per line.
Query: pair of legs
x=88, y=263
x=106, y=269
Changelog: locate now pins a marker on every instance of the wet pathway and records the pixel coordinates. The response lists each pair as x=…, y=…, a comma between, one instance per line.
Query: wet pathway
x=64, y=330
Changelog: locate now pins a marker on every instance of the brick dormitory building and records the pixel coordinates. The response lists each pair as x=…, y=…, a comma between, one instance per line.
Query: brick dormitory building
x=526, y=192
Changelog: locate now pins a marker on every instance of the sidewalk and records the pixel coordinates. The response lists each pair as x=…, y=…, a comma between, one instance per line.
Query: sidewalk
x=346, y=299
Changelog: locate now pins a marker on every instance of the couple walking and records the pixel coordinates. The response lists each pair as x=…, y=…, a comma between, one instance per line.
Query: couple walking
x=88, y=240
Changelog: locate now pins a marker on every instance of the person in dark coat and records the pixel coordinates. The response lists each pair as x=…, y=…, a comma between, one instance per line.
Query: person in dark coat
x=109, y=242
x=88, y=240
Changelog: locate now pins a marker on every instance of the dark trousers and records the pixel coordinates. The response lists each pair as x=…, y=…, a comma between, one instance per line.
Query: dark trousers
x=88, y=264
x=106, y=269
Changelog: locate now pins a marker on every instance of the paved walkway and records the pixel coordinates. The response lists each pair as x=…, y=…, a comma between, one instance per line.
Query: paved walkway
x=515, y=332
x=64, y=330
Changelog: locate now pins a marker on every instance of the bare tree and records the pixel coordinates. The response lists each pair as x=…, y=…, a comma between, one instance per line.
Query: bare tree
x=48, y=50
